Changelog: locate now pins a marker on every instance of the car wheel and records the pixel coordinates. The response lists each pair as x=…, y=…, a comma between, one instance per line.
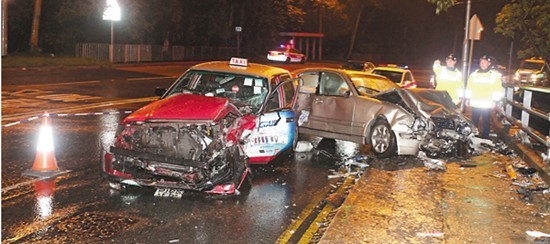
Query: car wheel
x=287, y=60
x=382, y=139
x=303, y=60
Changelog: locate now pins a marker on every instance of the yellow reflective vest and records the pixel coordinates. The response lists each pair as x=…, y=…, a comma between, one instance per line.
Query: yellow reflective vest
x=485, y=87
x=448, y=80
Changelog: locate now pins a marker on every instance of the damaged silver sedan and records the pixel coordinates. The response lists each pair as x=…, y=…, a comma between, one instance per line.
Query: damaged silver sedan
x=370, y=109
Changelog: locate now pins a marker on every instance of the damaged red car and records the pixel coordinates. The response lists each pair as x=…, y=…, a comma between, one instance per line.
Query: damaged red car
x=205, y=129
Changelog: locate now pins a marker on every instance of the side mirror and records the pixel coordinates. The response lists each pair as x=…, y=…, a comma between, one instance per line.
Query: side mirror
x=347, y=93
x=159, y=91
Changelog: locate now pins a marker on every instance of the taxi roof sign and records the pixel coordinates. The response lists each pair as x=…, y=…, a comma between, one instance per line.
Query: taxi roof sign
x=239, y=61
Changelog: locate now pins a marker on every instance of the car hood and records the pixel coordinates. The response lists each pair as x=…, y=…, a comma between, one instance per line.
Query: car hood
x=184, y=107
x=426, y=102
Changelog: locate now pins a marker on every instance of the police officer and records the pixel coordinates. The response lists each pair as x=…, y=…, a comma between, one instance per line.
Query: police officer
x=448, y=78
x=485, y=88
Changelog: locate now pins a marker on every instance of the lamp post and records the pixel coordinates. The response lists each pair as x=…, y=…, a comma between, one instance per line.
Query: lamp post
x=112, y=13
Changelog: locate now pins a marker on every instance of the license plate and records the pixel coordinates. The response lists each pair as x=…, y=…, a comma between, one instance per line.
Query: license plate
x=167, y=192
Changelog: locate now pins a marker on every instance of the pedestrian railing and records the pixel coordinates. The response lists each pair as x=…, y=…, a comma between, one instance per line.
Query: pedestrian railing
x=527, y=108
x=136, y=53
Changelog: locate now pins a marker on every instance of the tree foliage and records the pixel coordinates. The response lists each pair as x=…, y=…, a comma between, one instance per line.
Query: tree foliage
x=442, y=5
x=528, y=21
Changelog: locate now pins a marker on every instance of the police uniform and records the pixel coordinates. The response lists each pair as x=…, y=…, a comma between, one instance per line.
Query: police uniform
x=449, y=79
x=485, y=88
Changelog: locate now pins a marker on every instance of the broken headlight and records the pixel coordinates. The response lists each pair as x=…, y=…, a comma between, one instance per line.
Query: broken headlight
x=464, y=129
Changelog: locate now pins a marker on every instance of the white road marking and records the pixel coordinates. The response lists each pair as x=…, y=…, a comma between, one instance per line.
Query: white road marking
x=21, y=116
x=154, y=78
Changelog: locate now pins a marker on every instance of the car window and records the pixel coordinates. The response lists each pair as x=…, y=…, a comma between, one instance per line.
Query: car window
x=293, y=50
x=332, y=84
x=282, y=98
x=408, y=76
x=531, y=65
x=392, y=75
x=369, y=85
x=248, y=90
x=310, y=82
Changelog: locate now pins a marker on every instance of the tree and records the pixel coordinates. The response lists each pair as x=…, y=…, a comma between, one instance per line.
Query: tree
x=528, y=20
x=442, y=5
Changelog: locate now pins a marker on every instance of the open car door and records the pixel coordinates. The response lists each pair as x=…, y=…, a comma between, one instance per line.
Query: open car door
x=276, y=129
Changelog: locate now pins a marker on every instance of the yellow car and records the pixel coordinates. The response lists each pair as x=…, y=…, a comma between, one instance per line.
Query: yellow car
x=400, y=75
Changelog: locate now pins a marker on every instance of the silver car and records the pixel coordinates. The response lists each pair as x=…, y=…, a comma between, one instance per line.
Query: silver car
x=370, y=109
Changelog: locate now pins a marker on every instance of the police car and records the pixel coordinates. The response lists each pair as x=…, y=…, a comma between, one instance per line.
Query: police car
x=400, y=75
x=287, y=54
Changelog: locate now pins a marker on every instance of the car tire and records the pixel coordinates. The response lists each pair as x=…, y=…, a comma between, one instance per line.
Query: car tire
x=382, y=139
x=303, y=60
x=287, y=60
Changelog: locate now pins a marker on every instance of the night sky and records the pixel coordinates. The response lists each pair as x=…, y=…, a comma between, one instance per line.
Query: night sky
x=398, y=32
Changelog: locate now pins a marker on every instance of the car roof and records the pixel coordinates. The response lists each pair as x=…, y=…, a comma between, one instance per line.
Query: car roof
x=534, y=60
x=252, y=69
x=344, y=71
x=395, y=69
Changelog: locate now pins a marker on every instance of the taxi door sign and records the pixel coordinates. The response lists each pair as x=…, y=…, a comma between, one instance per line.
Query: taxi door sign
x=239, y=62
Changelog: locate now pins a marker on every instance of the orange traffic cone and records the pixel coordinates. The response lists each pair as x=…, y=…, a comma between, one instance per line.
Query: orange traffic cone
x=45, y=165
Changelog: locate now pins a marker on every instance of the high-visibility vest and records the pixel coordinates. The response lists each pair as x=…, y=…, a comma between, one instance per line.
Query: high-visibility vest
x=449, y=80
x=485, y=88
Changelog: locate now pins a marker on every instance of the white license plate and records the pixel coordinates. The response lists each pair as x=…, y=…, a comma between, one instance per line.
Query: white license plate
x=167, y=192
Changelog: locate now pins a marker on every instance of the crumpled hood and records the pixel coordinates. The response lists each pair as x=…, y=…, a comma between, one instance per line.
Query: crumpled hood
x=427, y=102
x=183, y=107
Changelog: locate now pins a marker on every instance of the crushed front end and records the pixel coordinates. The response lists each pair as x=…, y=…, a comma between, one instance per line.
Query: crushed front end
x=177, y=155
x=434, y=124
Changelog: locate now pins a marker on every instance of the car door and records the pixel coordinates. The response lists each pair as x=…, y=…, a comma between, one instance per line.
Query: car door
x=276, y=129
x=331, y=107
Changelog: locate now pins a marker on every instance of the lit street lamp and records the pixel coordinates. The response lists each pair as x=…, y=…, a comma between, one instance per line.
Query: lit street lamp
x=112, y=13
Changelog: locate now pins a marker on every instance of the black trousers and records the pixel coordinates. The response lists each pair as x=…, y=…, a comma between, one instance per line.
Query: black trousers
x=485, y=115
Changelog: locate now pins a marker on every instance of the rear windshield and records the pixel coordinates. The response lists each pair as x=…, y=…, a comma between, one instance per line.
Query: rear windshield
x=392, y=75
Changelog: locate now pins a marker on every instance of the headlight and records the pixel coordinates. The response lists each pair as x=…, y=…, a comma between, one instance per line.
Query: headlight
x=465, y=129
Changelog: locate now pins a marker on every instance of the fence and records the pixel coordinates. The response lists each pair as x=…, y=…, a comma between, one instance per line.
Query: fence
x=136, y=53
x=527, y=108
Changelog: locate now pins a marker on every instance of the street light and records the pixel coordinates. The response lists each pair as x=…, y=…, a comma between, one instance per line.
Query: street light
x=112, y=13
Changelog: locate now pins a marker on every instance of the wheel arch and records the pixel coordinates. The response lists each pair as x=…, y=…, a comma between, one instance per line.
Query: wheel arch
x=368, y=129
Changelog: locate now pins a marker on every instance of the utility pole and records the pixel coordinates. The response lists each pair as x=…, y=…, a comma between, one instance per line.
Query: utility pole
x=465, y=54
x=35, y=25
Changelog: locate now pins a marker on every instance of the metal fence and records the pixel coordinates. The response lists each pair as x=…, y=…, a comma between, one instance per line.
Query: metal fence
x=136, y=53
x=527, y=108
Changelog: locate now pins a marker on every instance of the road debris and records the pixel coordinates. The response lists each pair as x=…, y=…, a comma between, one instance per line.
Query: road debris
x=430, y=234
x=303, y=146
x=431, y=163
x=539, y=237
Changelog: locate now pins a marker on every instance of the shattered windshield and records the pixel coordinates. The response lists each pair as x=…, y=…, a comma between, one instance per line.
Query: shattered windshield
x=241, y=89
x=369, y=85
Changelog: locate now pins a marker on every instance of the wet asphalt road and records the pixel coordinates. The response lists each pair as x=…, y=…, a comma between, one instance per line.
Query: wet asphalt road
x=80, y=207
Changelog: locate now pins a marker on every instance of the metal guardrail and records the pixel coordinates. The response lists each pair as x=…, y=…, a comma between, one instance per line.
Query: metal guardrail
x=136, y=53
x=527, y=110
